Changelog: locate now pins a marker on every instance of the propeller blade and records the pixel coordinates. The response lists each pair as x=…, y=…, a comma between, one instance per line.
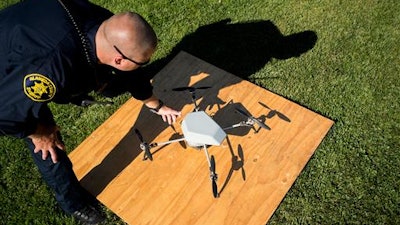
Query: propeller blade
x=144, y=145
x=148, y=153
x=191, y=89
x=215, y=188
x=213, y=177
x=139, y=135
x=204, y=87
x=212, y=166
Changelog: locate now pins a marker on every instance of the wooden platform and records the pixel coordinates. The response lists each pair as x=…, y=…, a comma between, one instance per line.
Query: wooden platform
x=255, y=169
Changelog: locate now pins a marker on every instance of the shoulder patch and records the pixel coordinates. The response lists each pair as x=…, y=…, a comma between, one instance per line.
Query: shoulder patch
x=38, y=87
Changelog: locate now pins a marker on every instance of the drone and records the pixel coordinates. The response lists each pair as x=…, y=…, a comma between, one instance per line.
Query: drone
x=201, y=131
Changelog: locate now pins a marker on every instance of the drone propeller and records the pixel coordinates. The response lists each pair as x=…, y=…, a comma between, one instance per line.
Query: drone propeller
x=253, y=119
x=272, y=113
x=144, y=146
x=213, y=177
x=190, y=89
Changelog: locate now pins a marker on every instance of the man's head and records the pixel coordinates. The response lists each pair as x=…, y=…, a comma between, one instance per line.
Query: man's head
x=125, y=41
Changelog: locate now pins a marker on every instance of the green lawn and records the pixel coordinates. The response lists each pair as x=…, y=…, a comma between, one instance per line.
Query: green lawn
x=350, y=75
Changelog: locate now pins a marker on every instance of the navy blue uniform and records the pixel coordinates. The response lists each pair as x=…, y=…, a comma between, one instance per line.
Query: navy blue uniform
x=43, y=59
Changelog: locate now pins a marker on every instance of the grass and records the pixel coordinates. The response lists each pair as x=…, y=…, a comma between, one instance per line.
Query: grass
x=350, y=75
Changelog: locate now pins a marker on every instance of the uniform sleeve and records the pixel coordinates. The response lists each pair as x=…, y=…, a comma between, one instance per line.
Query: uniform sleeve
x=24, y=97
x=136, y=82
x=22, y=126
x=37, y=51
x=141, y=88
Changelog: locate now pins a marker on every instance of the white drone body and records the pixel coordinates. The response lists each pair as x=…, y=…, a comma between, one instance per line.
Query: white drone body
x=200, y=129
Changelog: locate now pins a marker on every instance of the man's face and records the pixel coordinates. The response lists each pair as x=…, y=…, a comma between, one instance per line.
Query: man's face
x=128, y=63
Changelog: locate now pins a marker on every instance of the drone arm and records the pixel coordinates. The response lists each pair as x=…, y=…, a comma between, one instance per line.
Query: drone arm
x=241, y=124
x=232, y=127
x=152, y=145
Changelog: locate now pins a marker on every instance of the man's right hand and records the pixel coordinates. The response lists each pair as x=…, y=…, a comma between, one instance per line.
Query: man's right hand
x=46, y=140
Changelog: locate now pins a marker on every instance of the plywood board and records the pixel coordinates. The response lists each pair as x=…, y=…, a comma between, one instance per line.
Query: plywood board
x=256, y=167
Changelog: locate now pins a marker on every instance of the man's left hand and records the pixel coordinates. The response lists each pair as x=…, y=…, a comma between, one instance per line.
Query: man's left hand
x=168, y=115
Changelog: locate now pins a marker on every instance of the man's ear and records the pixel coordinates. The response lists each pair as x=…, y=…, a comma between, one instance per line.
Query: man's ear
x=118, y=60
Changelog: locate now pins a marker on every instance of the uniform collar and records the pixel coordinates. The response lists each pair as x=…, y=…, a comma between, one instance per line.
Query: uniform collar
x=91, y=36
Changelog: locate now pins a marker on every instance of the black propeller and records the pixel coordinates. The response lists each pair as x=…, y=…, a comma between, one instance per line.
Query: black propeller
x=253, y=119
x=144, y=146
x=190, y=89
x=213, y=177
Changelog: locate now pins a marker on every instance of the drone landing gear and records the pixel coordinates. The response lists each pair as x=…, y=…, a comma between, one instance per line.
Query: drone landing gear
x=211, y=161
x=144, y=146
x=213, y=174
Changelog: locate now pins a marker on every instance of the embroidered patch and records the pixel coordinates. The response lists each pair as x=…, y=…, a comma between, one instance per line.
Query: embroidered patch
x=39, y=88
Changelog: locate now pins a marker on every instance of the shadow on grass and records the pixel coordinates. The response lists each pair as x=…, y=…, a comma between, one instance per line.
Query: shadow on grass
x=241, y=49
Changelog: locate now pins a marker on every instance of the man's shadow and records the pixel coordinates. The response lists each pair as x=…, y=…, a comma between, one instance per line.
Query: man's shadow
x=241, y=49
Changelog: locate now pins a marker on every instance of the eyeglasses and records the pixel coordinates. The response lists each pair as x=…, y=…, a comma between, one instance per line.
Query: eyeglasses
x=125, y=57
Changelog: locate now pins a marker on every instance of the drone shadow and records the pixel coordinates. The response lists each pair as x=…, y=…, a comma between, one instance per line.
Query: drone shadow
x=227, y=116
x=240, y=48
x=173, y=137
x=273, y=112
x=237, y=164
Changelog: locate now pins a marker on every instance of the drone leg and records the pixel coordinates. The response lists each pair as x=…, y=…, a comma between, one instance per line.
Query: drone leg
x=213, y=175
x=207, y=155
x=196, y=107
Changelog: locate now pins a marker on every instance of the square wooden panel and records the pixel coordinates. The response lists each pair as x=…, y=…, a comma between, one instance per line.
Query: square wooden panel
x=256, y=167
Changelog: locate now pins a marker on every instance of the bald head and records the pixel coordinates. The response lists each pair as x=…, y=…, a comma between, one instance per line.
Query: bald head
x=130, y=33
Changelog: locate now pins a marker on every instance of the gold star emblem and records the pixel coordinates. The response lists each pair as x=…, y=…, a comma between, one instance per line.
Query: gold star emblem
x=39, y=88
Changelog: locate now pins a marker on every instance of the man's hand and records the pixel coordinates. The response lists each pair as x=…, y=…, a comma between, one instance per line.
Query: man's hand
x=46, y=140
x=168, y=115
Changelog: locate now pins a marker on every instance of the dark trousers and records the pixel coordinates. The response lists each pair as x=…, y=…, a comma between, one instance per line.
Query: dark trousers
x=61, y=179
